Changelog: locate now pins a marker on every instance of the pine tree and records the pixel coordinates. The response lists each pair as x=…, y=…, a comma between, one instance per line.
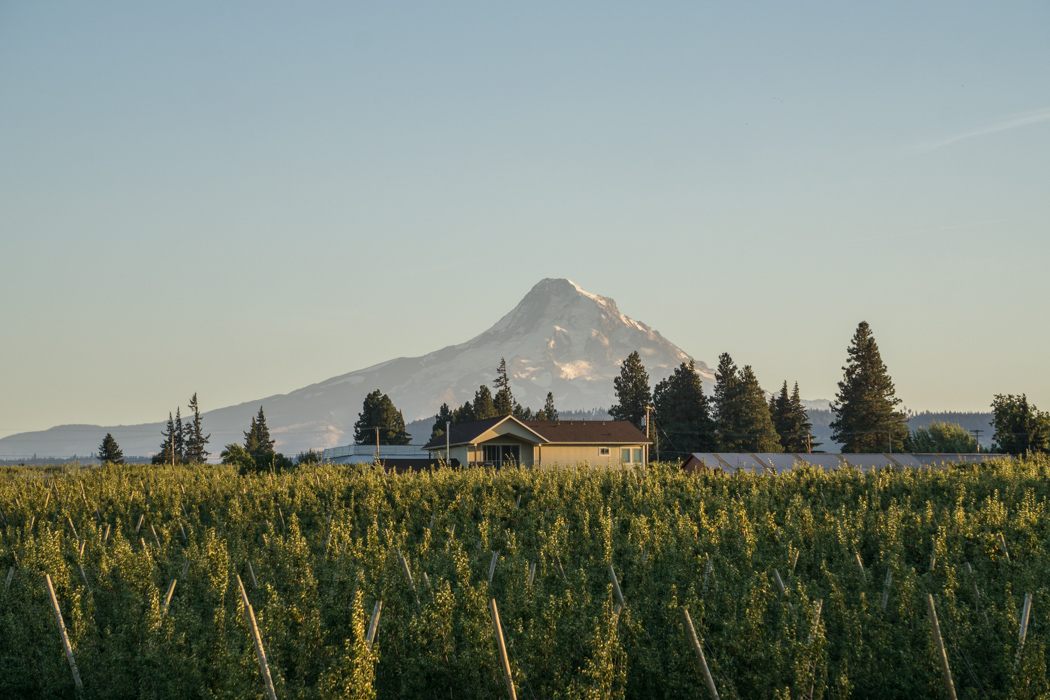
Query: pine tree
x=378, y=411
x=164, y=456
x=632, y=391
x=802, y=426
x=503, y=401
x=523, y=412
x=728, y=406
x=549, y=411
x=484, y=407
x=195, y=437
x=865, y=415
x=109, y=451
x=463, y=414
x=682, y=413
x=441, y=420
x=257, y=442
x=180, y=438
x=758, y=433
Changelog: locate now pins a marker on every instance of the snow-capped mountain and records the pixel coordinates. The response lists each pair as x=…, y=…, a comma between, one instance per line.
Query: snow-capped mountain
x=559, y=338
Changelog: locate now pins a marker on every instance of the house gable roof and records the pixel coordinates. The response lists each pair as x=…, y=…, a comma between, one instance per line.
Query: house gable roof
x=466, y=433
x=563, y=432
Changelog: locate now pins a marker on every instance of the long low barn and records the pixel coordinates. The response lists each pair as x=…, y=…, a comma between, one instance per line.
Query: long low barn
x=783, y=461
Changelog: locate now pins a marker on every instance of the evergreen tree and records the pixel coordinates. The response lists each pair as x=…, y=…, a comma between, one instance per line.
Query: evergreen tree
x=549, y=411
x=504, y=400
x=463, y=414
x=109, y=451
x=378, y=411
x=866, y=419
x=164, y=456
x=307, y=457
x=728, y=406
x=682, y=413
x=802, y=425
x=522, y=412
x=483, y=407
x=180, y=438
x=758, y=433
x=257, y=442
x=791, y=421
x=195, y=437
x=1020, y=427
x=441, y=420
x=632, y=391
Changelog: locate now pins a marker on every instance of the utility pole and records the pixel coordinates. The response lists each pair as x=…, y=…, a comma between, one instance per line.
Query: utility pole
x=977, y=436
x=646, y=461
x=377, y=442
x=809, y=443
x=448, y=453
x=173, y=447
x=889, y=439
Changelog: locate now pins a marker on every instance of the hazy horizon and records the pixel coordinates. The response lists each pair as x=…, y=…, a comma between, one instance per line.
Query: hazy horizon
x=240, y=200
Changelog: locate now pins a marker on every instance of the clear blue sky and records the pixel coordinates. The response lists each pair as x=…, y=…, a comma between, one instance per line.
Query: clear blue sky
x=240, y=199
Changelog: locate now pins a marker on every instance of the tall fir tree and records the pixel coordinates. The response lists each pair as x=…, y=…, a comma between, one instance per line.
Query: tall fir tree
x=682, y=414
x=866, y=419
x=441, y=420
x=463, y=414
x=758, y=433
x=632, y=391
x=257, y=442
x=503, y=401
x=167, y=445
x=791, y=421
x=195, y=437
x=180, y=438
x=550, y=412
x=483, y=407
x=728, y=406
x=378, y=411
x=109, y=451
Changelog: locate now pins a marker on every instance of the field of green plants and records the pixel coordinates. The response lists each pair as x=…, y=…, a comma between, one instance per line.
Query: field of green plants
x=804, y=585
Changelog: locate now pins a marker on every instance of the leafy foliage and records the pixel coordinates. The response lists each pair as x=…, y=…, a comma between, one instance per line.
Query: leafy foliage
x=1019, y=426
x=682, y=414
x=941, y=437
x=325, y=543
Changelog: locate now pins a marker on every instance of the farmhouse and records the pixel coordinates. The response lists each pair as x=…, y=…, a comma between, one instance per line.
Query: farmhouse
x=506, y=440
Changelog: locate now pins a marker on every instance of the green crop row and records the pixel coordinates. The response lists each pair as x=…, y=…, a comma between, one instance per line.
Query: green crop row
x=785, y=579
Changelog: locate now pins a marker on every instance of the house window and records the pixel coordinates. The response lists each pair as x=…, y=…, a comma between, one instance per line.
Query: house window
x=498, y=455
x=637, y=454
x=603, y=451
x=625, y=455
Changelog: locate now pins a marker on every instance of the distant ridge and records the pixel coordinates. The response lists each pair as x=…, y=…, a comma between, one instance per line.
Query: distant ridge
x=558, y=338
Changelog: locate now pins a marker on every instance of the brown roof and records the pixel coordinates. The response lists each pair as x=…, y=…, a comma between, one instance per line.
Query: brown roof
x=608, y=432
x=464, y=432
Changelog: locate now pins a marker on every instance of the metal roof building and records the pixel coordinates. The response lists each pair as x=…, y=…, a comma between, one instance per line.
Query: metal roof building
x=785, y=461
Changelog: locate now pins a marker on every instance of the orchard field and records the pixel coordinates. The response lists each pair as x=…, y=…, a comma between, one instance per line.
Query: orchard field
x=805, y=585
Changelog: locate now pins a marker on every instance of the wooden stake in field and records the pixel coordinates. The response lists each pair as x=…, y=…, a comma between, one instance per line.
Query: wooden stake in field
x=616, y=587
x=886, y=588
x=167, y=597
x=492, y=566
x=7, y=583
x=251, y=574
x=942, y=656
x=1002, y=543
x=691, y=633
x=504, y=661
x=260, y=653
x=65, y=636
x=138, y=526
x=779, y=582
x=532, y=572
x=370, y=638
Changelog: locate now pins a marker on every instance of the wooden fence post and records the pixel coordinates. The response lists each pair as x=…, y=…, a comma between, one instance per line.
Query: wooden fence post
x=260, y=653
x=616, y=587
x=711, y=690
x=370, y=638
x=504, y=661
x=942, y=655
x=65, y=636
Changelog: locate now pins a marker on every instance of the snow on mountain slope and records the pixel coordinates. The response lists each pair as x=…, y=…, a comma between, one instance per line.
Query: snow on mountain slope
x=559, y=338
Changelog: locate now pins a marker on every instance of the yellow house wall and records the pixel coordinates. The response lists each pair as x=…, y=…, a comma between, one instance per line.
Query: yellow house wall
x=573, y=454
